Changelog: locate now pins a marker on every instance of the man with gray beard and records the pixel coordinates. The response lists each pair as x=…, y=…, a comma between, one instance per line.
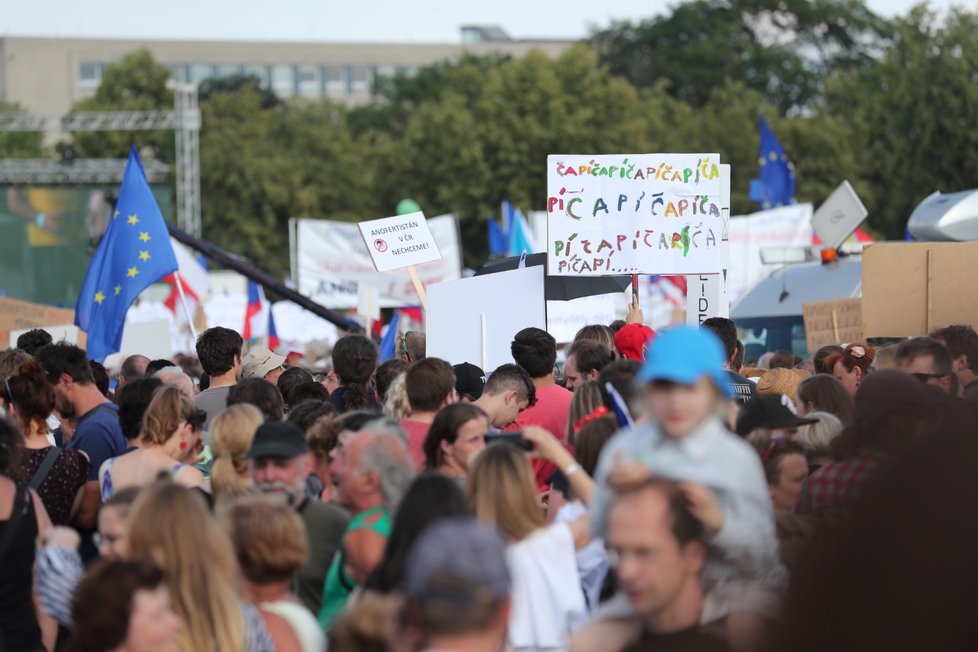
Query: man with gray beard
x=278, y=465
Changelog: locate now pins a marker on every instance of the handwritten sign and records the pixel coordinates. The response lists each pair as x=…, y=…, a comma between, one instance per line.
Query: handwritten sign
x=833, y=322
x=627, y=214
x=399, y=241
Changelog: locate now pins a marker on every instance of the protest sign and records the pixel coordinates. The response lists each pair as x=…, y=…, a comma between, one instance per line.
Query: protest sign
x=628, y=214
x=707, y=293
x=25, y=315
x=399, y=241
x=149, y=338
x=787, y=226
x=474, y=319
x=833, y=322
x=330, y=260
x=838, y=216
x=565, y=318
x=911, y=288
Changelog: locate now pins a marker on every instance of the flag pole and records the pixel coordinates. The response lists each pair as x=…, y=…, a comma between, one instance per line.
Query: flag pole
x=186, y=308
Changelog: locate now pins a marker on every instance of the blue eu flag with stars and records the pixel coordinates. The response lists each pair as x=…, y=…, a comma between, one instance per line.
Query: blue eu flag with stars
x=776, y=187
x=134, y=253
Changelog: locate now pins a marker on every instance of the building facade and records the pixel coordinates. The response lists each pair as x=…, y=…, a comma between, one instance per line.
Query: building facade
x=48, y=75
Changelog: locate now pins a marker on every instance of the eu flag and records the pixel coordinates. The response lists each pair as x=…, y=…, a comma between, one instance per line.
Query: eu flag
x=134, y=253
x=498, y=238
x=388, y=344
x=776, y=187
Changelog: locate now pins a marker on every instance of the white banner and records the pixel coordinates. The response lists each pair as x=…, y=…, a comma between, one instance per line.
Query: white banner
x=633, y=213
x=787, y=226
x=333, y=260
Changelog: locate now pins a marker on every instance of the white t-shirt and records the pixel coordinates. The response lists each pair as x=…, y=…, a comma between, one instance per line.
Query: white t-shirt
x=546, y=595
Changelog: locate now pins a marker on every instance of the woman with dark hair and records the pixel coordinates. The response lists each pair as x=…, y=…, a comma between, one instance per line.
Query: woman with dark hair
x=851, y=365
x=123, y=606
x=429, y=498
x=22, y=519
x=354, y=362
x=58, y=475
x=456, y=435
x=824, y=393
x=892, y=411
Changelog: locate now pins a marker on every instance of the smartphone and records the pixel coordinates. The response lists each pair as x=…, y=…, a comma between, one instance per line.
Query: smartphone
x=511, y=438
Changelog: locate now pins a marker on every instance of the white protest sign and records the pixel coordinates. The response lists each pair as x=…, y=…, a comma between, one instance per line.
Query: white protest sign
x=839, y=216
x=149, y=338
x=786, y=226
x=399, y=241
x=565, y=318
x=332, y=260
x=368, y=304
x=507, y=301
x=706, y=294
x=626, y=214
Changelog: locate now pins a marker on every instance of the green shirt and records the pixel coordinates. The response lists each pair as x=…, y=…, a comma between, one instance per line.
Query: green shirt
x=339, y=586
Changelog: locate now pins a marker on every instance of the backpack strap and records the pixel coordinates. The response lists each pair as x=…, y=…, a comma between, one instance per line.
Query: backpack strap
x=45, y=468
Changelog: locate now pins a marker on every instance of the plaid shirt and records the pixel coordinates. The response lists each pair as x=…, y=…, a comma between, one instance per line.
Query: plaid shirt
x=839, y=484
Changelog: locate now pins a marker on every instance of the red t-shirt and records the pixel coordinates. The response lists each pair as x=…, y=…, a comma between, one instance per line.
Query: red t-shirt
x=417, y=432
x=551, y=412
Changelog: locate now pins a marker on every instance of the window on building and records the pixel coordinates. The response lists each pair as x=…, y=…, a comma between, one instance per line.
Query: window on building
x=259, y=71
x=336, y=81
x=360, y=78
x=227, y=70
x=89, y=77
x=309, y=81
x=178, y=72
x=198, y=72
x=283, y=80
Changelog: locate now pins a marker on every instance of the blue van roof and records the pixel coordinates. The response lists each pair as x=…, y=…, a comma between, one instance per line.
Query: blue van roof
x=805, y=283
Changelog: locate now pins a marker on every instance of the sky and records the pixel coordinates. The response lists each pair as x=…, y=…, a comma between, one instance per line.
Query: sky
x=331, y=20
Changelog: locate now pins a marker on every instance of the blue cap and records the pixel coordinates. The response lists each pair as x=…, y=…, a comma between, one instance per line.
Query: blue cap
x=683, y=355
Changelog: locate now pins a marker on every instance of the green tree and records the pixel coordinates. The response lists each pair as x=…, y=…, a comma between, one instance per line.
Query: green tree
x=20, y=144
x=780, y=48
x=912, y=115
x=136, y=83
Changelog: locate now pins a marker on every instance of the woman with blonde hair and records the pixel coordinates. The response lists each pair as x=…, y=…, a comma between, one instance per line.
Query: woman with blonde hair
x=816, y=438
x=169, y=526
x=231, y=434
x=502, y=491
x=396, y=404
x=172, y=429
x=269, y=541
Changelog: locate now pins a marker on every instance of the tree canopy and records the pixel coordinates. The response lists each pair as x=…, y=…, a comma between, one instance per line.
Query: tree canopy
x=888, y=105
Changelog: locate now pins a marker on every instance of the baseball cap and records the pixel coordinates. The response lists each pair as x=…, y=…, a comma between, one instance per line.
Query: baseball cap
x=632, y=341
x=683, y=355
x=769, y=411
x=455, y=561
x=469, y=380
x=278, y=439
x=259, y=362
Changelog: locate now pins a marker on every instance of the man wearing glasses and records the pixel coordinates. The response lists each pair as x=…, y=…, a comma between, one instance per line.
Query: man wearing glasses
x=927, y=360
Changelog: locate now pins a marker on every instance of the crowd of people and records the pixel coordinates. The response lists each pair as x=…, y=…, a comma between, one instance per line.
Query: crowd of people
x=654, y=492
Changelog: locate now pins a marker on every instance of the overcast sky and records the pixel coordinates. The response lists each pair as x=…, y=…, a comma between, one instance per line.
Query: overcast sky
x=332, y=20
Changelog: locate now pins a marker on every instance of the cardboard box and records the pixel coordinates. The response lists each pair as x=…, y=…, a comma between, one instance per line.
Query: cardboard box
x=833, y=322
x=18, y=315
x=911, y=288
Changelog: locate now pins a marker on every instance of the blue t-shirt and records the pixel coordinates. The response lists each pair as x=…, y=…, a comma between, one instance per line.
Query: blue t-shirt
x=99, y=436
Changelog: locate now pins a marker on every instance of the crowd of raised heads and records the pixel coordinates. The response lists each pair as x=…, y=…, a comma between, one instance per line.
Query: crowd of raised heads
x=651, y=491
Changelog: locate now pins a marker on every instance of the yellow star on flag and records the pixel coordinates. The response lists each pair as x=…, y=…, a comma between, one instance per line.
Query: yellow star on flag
x=144, y=256
x=144, y=236
x=133, y=219
x=115, y=215
x=99, y=298
x=117, y=290
x=131, y=273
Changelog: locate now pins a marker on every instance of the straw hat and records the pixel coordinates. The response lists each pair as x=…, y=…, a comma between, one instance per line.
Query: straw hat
x=779, y=381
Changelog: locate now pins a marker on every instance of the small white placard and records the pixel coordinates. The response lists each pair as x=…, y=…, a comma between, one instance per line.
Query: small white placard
x=399, y=241
x=839, y=216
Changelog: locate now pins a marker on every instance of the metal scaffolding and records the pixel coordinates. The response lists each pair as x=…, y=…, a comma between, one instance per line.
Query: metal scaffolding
x=30, y=171
x=184, y=120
